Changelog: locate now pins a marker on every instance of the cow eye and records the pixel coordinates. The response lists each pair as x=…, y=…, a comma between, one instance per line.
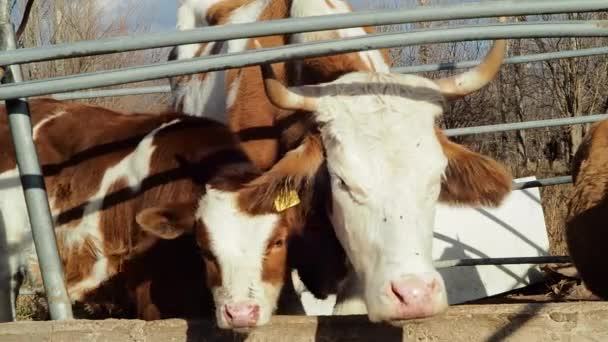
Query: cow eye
x=355, y=192
x=341, y=183
x=278, y=243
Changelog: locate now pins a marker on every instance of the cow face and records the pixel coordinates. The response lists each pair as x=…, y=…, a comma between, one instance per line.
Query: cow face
x=244, y=252
x=389, y=166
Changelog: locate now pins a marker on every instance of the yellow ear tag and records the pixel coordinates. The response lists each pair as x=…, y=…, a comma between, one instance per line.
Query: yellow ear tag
x=286, y=200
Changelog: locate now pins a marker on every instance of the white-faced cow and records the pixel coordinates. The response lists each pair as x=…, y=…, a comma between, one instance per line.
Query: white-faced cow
x=388, y=166
x=587, y=220
x=117, y=184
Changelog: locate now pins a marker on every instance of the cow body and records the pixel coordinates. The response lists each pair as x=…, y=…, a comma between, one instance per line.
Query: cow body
x=587, y=220
x=119, y=185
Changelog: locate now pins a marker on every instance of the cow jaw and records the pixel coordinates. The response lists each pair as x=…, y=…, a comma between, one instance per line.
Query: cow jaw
x=241, y=250
x=385, y=166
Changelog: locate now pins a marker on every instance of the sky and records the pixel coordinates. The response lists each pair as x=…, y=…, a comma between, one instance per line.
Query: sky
x=165, y=12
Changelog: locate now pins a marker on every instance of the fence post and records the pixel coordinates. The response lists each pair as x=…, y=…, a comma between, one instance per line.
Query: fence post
x=33, y=183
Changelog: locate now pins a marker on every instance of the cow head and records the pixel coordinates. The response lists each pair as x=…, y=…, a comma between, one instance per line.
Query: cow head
x=388, y=167
x=242, y=228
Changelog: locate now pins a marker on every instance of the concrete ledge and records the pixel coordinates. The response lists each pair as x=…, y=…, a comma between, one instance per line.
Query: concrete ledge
x=581, y=321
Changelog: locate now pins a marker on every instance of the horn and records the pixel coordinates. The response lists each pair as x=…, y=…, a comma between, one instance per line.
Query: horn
x=280, y=95
x=472, y=80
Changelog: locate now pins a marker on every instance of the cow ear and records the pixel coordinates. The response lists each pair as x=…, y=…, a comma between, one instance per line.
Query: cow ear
x=282, y=186
x=168, y=222
x=472, y=179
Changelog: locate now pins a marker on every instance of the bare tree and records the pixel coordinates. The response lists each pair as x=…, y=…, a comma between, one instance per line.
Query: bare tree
x=63, y=21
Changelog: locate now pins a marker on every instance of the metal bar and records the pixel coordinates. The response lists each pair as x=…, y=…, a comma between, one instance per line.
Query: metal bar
x=540, y=57
x=542, y=182
x=32, y=180
x=89, y=94
x=513, y=126
x=502, y=261
x=309, y=24
x=411, y=69
x=304, y=50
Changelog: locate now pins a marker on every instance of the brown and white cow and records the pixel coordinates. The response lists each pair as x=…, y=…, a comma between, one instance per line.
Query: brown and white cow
x=587, y=220
x=232, y=93
x=118, y=183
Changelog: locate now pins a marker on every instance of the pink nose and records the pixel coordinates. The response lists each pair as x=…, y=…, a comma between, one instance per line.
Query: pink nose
x=242, y=315
x=418, y=297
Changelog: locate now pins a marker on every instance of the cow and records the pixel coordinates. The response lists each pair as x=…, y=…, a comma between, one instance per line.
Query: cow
x=121, y=184
x=232, y=92
x=586, y=221
x=388, y=165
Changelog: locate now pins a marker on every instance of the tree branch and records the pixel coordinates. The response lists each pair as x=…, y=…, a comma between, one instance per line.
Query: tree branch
x=24, y=20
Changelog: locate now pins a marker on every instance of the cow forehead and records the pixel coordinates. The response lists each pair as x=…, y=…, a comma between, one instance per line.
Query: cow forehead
x=360, y=98
x=235, y=237
x=383, y=121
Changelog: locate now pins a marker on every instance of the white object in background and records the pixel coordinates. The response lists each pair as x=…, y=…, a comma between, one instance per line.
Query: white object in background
x=515, y=229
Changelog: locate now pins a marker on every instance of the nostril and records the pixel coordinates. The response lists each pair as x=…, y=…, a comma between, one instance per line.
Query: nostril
x=254, y=309
x=397, y=294
x=229, y=316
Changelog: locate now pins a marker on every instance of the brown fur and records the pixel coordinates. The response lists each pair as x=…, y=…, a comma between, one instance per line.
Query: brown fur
x=587, y=220
x=470, y=178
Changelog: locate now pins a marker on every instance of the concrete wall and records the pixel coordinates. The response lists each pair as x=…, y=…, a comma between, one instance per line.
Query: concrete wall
x=586, y=321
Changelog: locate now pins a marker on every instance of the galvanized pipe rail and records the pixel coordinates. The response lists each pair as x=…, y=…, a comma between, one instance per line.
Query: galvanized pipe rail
x=32, y=180
x=297, y=51
x=514, y=126
x=308, y=24
x=91, y=94
x=540, y=57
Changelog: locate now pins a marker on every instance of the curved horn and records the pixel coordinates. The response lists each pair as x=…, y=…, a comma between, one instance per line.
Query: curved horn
x=280, y=95
x=478, y=77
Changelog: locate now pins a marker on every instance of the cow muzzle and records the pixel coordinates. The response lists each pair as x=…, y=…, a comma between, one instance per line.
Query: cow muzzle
x=411, y=296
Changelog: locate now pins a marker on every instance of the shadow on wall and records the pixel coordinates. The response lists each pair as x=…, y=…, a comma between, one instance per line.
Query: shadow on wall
x=355, y=328
x=519, y=320
x=460, y=280
x=199, y=331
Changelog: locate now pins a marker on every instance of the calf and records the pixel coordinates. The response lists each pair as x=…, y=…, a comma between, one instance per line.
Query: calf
x=119, y=184
x=587, y=220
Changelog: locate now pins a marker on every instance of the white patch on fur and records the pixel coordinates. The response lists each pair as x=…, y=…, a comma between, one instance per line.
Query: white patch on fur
x=384, y=215
x=45, y=121
x=15, y=240
x=238, y=241
x=373, y=59
x=209, y=98
x=190, y=15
